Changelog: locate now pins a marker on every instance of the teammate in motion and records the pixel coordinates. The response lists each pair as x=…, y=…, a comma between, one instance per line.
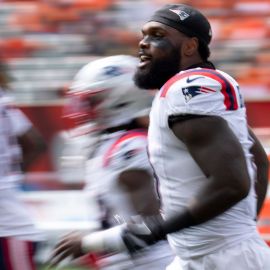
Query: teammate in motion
x=118, y=169
x=20, y=145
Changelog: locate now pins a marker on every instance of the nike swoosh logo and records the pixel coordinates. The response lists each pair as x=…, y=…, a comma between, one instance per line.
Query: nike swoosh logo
x=191, y=80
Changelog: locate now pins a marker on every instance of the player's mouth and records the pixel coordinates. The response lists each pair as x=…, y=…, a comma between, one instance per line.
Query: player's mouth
x=144, y=60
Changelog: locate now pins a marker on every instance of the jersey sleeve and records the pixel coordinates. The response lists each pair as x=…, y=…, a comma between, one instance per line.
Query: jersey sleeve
x=19, y=122
x=204, y=92
x=129, y=154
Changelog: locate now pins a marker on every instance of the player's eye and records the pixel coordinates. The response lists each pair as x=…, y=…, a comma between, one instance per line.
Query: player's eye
x=157, y=35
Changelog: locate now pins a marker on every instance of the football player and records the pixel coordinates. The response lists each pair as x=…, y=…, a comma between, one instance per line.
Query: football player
x=118, y=170
x=20, y=145
x=213, y=172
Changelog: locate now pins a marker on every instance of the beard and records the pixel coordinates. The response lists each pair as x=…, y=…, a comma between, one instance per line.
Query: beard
x=158, y=72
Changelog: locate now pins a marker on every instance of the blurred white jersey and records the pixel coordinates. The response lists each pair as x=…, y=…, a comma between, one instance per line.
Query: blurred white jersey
x=201, y=92
x=119, y=152
x=14, y=217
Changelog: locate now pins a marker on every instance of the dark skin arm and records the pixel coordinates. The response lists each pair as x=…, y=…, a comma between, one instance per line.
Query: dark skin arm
x=139, y=186
x=262, y=163
x=32, y=145
x=219, y=154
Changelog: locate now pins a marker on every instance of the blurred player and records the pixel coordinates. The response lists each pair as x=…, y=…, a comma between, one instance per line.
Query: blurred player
x=20, y=146
x=118, y=168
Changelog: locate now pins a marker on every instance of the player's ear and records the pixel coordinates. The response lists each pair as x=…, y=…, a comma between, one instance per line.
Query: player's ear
x=190, y=46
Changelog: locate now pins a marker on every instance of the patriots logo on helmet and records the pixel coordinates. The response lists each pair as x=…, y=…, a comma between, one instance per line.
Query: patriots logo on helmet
x=112, y=71
x=192, y=91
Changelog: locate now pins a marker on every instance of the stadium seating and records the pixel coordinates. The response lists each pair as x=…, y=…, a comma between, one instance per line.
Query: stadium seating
x=61, y=29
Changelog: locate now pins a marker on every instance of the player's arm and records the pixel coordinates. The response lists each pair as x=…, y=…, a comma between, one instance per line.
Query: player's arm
x=138, y=183
x=32, y=144
x=262, y=164
x=139, y=187
x=219, y=154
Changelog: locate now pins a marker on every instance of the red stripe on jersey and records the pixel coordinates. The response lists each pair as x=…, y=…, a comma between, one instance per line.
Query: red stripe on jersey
x=7, y=253
x=30, y=253
x=226, y=90
x=204, y=91
x=207, y=89
x=230, y=100
x=126, y=136
x=171, y=81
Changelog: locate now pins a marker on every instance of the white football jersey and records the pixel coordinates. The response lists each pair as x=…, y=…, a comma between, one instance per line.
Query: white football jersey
x=202, y=92
x=118, y=152
x=15, y=220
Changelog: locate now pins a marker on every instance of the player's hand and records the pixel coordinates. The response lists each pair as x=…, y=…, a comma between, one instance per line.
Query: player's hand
x=69, y=245
x=143, y=233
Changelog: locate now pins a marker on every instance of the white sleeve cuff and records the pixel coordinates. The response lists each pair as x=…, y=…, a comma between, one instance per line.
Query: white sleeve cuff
x=104, y=241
